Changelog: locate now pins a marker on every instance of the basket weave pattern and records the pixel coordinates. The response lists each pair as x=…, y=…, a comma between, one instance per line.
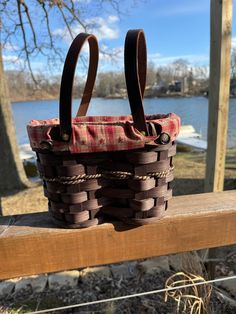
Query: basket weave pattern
x=133, y=186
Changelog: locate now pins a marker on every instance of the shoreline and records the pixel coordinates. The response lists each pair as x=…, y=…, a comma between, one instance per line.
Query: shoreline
x=32, y=99
x=107, y=97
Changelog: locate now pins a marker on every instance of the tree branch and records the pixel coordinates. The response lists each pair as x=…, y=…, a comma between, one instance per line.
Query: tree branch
x=25, y=41
x=19, y=22
x=47, y=21
x=30, y=23
x=66, y=23
x=72, y=12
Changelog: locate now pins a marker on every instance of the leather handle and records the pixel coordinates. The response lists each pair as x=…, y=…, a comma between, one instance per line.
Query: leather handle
x=135, y=75
x=65, y=106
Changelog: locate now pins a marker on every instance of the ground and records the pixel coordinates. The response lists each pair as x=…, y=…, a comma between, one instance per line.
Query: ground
x=103, y=288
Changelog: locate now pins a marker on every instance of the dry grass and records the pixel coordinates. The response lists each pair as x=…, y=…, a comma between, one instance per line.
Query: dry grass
x=189, y=300
x=28, y=201
x=194, y=165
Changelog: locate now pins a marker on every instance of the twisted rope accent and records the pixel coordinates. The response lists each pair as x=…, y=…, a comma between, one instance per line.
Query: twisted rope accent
x=69, y=182
x=141, y=178
x=82, y=176
x=49, y=179
x=161, y=174
x=78, y=179
x=117, y=174
x=120, y=175
x=74, y=179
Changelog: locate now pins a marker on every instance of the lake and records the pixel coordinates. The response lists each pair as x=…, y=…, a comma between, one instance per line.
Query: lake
x=192, y=110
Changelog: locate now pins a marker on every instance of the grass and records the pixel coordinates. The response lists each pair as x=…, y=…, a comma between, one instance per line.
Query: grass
x=31, y=304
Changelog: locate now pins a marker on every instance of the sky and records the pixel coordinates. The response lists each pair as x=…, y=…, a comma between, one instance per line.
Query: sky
x=174, y=29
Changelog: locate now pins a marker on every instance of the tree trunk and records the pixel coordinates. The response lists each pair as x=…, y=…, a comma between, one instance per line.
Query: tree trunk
x=12, y=174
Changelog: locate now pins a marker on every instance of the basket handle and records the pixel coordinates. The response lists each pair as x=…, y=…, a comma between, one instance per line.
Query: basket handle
x=135, y=75
x=65, y=106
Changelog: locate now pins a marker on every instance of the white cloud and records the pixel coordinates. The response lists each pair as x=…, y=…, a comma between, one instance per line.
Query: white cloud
x=61, y=32
x=113, y=18
x=10, y=47
x=14, y=62
x=111, y=59
x=102, y=28
x=158, y=59
x=233, y=42
x=12, y=59
x=111, y=54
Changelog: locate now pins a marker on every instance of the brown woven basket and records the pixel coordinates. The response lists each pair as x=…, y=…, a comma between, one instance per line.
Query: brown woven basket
x=132, y=185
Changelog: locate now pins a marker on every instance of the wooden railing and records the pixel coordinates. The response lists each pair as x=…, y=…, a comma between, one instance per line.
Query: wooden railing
x=30, y=244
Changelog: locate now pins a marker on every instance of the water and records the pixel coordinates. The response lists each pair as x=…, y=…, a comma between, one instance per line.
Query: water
x=193, y=110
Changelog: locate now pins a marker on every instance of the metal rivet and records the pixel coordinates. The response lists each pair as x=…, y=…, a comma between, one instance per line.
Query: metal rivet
x=46, y=145
x=65, y=137
x=164, y=138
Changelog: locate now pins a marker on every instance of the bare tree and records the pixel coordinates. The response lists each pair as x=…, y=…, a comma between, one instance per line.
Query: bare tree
x=110, y=84
x=176, y=70
x=151, y=74
x=180, y=68
x=27, y=28
x=165, y=73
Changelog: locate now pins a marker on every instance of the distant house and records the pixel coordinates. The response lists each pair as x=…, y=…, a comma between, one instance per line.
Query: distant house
x=159, y=88
x=175, y=87
x=233, y=86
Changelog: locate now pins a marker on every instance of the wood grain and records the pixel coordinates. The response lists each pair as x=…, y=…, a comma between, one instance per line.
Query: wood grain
x=220, y=54
x=31, y=244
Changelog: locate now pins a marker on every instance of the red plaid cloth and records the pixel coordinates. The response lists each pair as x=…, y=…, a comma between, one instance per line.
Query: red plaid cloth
x=101, y=133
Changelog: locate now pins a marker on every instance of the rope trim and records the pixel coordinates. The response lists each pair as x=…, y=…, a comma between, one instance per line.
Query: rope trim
x=113, y=175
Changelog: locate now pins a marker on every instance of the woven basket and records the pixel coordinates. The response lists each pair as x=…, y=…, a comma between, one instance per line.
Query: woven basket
x=118, y=167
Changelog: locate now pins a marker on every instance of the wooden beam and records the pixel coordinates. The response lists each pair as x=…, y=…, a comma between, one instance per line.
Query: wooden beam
x=220, y=53
x=30, y=244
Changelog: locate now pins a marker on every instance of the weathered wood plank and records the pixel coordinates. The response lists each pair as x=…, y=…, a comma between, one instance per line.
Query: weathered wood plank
x=220, y=52
x=30, y=244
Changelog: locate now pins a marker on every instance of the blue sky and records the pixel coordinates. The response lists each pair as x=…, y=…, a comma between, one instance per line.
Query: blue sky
x=173, y=29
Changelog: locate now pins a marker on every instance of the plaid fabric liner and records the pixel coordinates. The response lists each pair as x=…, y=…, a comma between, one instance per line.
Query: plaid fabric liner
x=101, y=133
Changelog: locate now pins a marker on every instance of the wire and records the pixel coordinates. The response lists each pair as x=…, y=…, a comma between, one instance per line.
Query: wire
x=133, y=295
